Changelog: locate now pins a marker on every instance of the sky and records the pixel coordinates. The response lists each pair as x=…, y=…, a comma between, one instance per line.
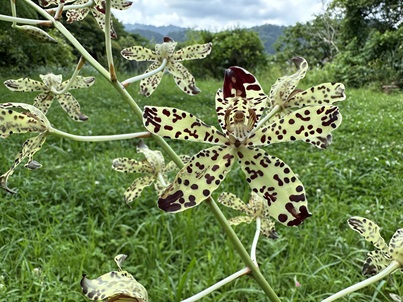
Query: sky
x=216, y=15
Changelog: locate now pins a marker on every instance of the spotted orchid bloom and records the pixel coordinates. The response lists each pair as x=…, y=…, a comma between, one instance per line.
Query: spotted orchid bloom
x=115, y=286
x=98, y=11
x=14, y=122
x=289, y=98
x=384, y=254
x=153, y=165
x=183, y=78
x=239, y=111
x=51, y=86
x=257, y=207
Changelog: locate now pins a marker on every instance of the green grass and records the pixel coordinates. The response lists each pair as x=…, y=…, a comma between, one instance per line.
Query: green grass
x=69, y=217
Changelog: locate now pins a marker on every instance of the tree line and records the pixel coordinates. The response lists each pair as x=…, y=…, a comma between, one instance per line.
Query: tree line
x=356, y=42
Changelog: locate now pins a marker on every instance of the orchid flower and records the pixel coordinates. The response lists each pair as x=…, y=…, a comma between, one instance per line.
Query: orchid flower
x=46, y=3
x=98, y=11
x=256, y=207
x=239, y=111
x=153, y=166
x=52, y=87
x=166, y=50
x=114, y=286
x=285, y=95
x=13, y=122
x=384, y=254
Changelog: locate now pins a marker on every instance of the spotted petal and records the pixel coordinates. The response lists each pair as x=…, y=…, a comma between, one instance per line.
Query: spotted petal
x=323, y=94
x=51, y=80
x=241, y=92
x=128, y=165
x=299, y=125
x=284, y=86
x=178, y=124
x=240, y=219
x=114, y=286
x=396, y=246
x=154, y=158
x=139, y=53
x=149, y=84
x=274, y=181
x=43, y=101
x=198, y=179
x=137, y=187
x=29, y=148
x=80, y=82
x=197, y=51
x=25, y=85
x=99, y=13
x=71, y=106
x=375, y=262
x=74, y=15
x=369, y=230
x=321, y=142
x=121, y=4
x=171, y=166
x=268, y=228
x=183, y=78
x=232, y=201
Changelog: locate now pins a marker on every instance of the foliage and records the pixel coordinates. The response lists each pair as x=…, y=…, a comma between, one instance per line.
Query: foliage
x=236, y=47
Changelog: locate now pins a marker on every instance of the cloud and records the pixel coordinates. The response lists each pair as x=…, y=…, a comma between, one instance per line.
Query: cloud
x=219, y=14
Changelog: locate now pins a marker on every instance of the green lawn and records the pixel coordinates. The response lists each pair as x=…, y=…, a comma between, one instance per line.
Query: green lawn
x=69, y=217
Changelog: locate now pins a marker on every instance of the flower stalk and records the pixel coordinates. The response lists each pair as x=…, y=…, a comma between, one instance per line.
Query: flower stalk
x=126, y=82
x=108, y=43
x=393, y=266
x=98, y=138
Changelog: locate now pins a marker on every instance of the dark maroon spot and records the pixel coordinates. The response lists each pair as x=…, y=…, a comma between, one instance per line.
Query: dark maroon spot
x=206, y=192
x=282, y=218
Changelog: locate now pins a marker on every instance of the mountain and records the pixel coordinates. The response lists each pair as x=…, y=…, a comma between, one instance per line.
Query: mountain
x=268, y=33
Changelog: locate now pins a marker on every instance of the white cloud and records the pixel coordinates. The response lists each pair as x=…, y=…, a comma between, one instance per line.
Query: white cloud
x=219, y=14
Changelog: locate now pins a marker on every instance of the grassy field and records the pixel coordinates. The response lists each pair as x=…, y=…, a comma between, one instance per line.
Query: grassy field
x=69, y=217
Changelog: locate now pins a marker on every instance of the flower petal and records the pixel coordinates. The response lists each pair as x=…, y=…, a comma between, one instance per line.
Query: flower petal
x=178, y=124
x=77, y=14
x=29, y=148
x=149, y=84
x=72, y=107
x=114, y=284
x=301, y=124
x=43, y=101
x=284, y=86
x=121, y=4
x=24, y=85
x=137, y=187
x=183, y=78
x=375, y=262
x=99, y=13
x=197, y=51
x=171, y=166
x=198, y=179
x=15, y=122
x=326, y=93
x=241, y=92
x=51, y=80
x=321, y=142
x=139, y=53
x=369, y=230
x=274, y=181
x=153, y=157
x=128, y=165
x=240, y=219
x=80, y=82
x=232, y=201
x=396, y=246
x=268, y=228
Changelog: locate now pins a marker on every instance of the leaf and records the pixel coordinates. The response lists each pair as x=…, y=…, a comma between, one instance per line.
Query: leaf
x=198, y=179
x=275, y=182
x=301, y=124
x=178, y=124
x=114, y=286
x=192, y=52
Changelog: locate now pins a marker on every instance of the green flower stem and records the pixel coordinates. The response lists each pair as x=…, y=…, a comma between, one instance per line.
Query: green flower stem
x=255, y=240
x=394, y=265
x=98, y=138
x=255, y=272
x=71, y=81
x=24, y=21
x=59, y=26
x=108, y=43
x=59, y=11
x=276, y=109
x=13, y=11
x=219, y=284
x=145, y=75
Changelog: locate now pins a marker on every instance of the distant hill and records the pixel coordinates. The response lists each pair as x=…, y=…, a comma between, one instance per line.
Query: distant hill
x=268, y=33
